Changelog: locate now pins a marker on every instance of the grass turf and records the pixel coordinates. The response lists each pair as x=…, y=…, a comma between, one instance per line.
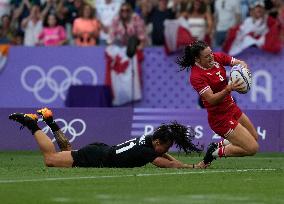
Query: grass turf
x=258, y=179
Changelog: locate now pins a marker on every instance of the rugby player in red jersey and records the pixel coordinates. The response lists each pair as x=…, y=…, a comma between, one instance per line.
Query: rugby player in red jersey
x=208, y=78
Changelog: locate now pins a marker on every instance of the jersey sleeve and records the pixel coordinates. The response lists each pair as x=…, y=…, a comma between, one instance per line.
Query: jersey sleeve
x=224, y=59
x=199, y=84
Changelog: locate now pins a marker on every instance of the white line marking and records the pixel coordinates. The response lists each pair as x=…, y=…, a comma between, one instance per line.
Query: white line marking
x=134, y=175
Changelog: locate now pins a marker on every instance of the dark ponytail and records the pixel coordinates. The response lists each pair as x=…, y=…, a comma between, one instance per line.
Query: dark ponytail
x=178, y=134
x=191, y=52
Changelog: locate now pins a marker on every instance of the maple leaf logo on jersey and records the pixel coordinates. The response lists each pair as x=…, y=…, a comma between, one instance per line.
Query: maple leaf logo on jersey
x=217, y=65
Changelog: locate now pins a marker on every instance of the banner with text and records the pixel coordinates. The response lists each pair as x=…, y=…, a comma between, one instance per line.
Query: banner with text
x=115, y=125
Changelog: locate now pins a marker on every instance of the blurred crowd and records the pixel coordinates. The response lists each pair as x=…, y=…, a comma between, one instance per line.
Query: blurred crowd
x=102, y=22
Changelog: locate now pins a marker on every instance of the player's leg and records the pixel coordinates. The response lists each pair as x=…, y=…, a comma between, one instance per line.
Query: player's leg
x=245, y=121
x=243, y=143
x=61, y=139
x=51, y=157
x=47, y=148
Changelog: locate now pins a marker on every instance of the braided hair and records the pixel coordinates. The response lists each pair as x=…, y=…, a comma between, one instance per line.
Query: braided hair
x=177, y=134
x=191, y=52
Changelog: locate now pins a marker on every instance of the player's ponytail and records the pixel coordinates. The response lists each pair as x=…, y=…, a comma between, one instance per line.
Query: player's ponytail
x=191, y=52
x=179, y=135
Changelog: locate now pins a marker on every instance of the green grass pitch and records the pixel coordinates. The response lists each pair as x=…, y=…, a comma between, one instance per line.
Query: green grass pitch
x=252, y=180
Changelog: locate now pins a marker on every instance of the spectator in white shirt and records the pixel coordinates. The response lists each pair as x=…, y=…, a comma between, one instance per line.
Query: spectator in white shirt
x=227, y=15
x=106, y=11
x=32, y=26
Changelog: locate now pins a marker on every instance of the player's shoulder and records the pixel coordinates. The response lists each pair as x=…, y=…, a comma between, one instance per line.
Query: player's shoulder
x=219, y=55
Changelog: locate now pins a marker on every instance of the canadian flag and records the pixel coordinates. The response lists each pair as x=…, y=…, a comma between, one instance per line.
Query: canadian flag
x=177, y=34
x=123, y=74
x=4, y=49
x=263, y=33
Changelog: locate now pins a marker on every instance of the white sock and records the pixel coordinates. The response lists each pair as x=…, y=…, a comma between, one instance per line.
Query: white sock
x=220, y=152
x=226, y=142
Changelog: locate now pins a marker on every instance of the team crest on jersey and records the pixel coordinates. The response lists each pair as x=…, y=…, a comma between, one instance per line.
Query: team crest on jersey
x=217, y=65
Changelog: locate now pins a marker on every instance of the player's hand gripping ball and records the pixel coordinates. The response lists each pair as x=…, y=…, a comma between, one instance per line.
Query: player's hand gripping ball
x=244, y=75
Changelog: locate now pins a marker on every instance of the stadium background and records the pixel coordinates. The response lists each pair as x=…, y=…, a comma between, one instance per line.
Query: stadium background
x=32, y=77
x=167, y=96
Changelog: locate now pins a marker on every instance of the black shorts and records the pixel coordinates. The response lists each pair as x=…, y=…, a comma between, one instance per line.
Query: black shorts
x=92, y=155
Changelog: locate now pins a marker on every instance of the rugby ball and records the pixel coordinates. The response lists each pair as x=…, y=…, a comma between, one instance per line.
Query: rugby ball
x=244, y=74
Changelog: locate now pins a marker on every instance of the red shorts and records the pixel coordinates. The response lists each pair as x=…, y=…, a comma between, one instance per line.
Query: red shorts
x=223, y=123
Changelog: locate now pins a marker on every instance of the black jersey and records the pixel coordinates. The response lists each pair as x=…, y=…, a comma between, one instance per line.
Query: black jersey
x=133, y=153
x=136, y=152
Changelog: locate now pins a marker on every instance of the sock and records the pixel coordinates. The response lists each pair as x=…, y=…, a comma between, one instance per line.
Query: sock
x=226, y=142
x=53, y=126
x=33, y=127
x=223, y=143
x=62, y=141
x=220, y=152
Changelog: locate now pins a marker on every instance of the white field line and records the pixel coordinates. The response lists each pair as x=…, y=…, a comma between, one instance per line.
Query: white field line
x=132, y=175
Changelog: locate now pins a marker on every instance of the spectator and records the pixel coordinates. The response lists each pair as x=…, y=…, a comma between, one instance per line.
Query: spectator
x=7, y=30
x=157, y=18
x=73, y=7
x=54, y=7
x=200, y=21
x=258, y=30
x=5, y=7
x=32, y=26
x=227, y=15
x=71, y=10
x=106, y=11
x=127, y=24
x=21, y=8
x=86, y=28
x=52, y=34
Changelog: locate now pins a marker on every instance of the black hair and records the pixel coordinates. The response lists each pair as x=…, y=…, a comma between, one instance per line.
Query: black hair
x=191, y=52
x=201, y=10
x=45, y=21
x=177, y=134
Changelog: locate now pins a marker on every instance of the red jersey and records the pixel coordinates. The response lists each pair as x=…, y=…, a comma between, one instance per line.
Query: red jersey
x=214, y=78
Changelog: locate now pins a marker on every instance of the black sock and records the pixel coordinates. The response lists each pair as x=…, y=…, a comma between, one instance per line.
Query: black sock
x=53, y=126
x=33, y=127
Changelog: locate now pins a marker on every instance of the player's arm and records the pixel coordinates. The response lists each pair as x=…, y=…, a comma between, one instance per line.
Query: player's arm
x=216, y=98
x=169, y=157
x=237, y=61
x=165, y=163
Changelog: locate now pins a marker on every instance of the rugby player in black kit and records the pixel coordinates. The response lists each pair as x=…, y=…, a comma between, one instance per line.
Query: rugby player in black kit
x=136, y=152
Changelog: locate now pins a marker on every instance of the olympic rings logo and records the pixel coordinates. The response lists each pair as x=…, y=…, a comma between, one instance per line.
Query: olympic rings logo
x=47, y=79
x=69, y=127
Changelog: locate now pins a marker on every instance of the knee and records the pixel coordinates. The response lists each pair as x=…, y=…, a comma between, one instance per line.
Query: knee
x=49, y=160
x=255, y=135
x=253, y=149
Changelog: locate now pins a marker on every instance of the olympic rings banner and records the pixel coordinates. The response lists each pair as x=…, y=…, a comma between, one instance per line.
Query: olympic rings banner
x=41, y=76
x=87, y=125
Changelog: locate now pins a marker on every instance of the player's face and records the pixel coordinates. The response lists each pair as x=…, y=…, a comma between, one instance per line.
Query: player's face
x=206, y=58
x=162, y=148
